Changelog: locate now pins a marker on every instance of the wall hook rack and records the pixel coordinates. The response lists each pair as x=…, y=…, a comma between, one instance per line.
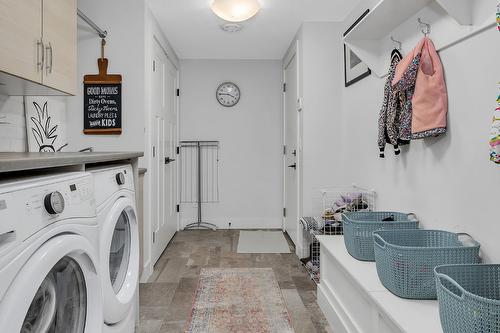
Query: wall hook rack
x=400, y=45
x=427, y=29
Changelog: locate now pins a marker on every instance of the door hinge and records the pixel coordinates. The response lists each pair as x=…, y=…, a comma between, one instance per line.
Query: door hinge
x=154, y=151
x=284, y=212
x=154, y=66
x=154, y=236
x=178, y=92
x=178, y=150
x=178, y=208
x=284, y=87
x=284, y=150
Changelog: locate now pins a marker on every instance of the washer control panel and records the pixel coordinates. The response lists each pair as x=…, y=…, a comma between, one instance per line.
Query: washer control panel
x=30, y=204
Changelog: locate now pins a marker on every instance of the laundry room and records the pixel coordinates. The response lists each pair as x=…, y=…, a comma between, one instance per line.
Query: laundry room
x=214, y=166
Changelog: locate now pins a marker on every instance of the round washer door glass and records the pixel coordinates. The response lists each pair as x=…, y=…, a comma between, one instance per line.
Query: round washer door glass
x=120, y=252
x=60, y=304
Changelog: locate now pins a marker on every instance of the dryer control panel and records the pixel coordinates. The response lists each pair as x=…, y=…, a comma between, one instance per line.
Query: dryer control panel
x=110, y=180
x=30, y=204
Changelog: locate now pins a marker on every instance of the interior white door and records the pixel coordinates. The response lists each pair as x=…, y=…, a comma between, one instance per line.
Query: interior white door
x=170, y=149
x=291, y=164
x=164, y=170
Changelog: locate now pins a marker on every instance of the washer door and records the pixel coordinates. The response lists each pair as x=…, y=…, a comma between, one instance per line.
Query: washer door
x=119, y=260
x=60, y=304
x=57, y=290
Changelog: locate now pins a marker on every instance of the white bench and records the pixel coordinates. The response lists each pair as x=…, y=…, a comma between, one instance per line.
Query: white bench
x=354, y=300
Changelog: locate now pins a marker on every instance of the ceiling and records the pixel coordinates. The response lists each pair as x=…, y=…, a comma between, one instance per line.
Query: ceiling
x=195, y=33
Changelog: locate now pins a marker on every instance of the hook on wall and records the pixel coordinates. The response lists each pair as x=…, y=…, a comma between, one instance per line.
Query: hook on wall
x=427, y=29
x=399, y=48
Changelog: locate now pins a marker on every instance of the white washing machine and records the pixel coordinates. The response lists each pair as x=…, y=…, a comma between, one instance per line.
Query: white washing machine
x=49, y=273
x=119, y=245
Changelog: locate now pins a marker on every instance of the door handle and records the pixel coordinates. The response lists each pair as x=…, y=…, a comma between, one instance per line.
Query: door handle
x=294, y=165
x=168, y=160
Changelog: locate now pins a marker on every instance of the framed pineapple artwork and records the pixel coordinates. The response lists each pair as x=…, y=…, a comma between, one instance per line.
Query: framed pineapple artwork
x=45, y=124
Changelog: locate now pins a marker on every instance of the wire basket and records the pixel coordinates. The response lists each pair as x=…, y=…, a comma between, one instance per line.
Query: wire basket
x=406, y=259
x=359, y=228
x=329, y=203
x=469, y=298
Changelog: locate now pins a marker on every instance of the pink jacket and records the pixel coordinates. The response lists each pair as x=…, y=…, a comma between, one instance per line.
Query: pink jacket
x=430, y=100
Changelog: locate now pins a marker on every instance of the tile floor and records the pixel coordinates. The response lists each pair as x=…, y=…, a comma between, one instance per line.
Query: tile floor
x=165, y=301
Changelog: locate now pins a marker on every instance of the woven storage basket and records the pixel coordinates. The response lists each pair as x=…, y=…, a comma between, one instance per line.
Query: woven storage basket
x=469, y=298
x=359, y=227
x=406, y=259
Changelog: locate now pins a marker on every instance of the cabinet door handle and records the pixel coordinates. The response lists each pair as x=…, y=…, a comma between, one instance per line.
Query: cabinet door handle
x=48, y=67
x=39, y=62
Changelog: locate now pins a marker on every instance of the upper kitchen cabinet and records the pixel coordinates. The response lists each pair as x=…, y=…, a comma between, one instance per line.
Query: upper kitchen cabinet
x=38, y=52
x=21, y=38
x=59, y=38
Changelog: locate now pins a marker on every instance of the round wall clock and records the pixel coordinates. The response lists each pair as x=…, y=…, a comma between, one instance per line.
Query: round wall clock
x=228, y=94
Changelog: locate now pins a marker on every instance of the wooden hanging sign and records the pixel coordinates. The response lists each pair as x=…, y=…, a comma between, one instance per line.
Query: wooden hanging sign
x=102, y=100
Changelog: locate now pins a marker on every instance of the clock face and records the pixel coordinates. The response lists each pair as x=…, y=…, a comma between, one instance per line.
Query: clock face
x=228, y=94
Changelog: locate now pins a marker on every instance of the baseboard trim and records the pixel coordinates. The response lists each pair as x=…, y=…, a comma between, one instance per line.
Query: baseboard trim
x=147, y=271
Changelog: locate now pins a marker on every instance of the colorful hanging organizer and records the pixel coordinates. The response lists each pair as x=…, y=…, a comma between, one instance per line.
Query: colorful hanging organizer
x=495, y=127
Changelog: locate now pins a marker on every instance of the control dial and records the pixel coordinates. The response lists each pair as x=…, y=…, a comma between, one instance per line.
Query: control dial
x=54, y=203
x=120, y=178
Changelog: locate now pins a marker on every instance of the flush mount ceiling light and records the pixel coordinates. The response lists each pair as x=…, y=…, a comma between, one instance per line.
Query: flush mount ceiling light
x=235, y=10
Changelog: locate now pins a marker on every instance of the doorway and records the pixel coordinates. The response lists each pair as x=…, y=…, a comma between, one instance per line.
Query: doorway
x=164, y=141
x=292, y=148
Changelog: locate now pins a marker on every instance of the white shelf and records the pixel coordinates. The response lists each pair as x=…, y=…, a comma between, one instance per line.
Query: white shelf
x=353, y=299
x=451, y=21
x=384, y=17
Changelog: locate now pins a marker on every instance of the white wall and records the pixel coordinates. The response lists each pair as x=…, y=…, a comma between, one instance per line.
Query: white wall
x=250, y=135
x=124, y=21
x=449, y=181
x=12, y=124
x=321, y=86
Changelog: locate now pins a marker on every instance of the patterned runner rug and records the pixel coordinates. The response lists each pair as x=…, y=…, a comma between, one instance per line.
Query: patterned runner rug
x=238, y=300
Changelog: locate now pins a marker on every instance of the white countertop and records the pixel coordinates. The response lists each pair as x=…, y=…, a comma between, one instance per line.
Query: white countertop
x=10, y=162
x=412, y=316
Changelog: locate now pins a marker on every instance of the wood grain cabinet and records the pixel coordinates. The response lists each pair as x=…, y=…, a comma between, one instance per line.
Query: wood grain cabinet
x=38, y=39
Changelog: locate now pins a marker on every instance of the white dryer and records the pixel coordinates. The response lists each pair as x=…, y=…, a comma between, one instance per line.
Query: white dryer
x=49, y=279
x=119, y=245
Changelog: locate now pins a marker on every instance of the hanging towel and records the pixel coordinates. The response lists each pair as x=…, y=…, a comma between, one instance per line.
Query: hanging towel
x=495, y=126
x=495, y=135
x=388, y=122
x=430, y=101
x=498, y=16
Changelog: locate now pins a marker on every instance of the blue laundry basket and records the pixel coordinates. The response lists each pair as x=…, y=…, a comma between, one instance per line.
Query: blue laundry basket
x=469, y=298
x=359, y=227
x=406, y=259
